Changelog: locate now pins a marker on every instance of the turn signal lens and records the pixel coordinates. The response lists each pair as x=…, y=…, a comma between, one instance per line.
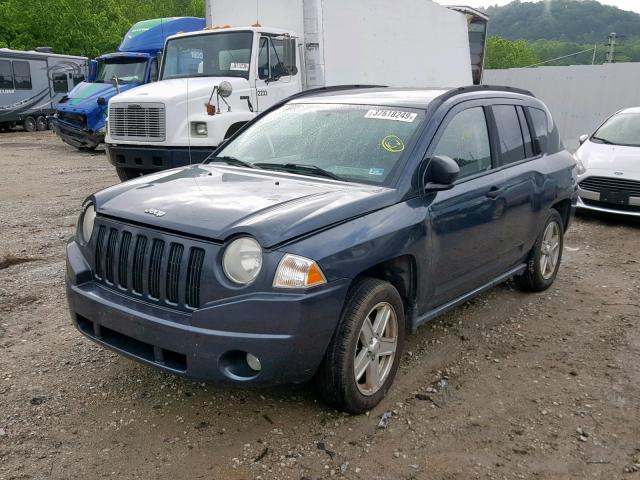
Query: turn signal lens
x=298, y=272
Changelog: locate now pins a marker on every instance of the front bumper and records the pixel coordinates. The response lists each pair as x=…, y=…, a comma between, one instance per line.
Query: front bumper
x=76, y=136
x=153, y=159
x=288, y=332
x=597, y=206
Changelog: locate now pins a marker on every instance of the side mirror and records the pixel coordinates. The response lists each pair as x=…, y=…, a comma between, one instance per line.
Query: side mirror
x=583, y=138
x=441, y=174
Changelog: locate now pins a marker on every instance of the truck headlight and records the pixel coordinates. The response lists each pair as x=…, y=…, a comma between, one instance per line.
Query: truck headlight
x=242, y=260
x=88, y=219
x=199, y=129
x=298, y=272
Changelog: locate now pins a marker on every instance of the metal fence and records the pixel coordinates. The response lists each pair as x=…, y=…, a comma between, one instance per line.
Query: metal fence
x=580, y=97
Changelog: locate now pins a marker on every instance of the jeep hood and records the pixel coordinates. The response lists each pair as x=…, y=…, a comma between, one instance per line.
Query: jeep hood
x=218, y=202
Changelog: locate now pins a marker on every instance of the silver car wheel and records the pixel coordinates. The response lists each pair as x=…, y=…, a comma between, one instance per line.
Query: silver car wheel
x=549, y=250
x=376, y=348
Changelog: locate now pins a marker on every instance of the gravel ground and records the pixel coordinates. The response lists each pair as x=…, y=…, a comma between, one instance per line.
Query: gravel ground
x=510, y=385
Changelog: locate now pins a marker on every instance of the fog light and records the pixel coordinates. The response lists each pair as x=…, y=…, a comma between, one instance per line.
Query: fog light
x=253, y=362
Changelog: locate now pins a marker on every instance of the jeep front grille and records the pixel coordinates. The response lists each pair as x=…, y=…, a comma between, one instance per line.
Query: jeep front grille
x=148, y=267
x=137, y=121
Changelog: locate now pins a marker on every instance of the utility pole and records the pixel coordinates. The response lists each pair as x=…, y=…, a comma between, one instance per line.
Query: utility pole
x=611, y=47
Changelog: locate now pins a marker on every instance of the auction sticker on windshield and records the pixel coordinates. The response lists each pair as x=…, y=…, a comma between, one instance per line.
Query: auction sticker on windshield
x=396, y=115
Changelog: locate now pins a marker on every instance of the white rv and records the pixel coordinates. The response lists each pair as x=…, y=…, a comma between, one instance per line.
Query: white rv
x=255, y=54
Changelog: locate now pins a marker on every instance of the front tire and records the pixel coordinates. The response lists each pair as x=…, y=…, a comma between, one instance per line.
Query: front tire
x=546, y=256
x=126, y=174
x=363, y=357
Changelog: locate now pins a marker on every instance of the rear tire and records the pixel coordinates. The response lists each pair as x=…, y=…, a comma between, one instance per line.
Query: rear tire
x=29, y=124
x=357, y=369
x=41, y=123
x=126, y=174
x=545, y=258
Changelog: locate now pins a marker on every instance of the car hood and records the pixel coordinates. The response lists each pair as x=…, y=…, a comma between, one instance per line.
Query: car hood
x=603, y=158
x=218, y=202
x=84, y=96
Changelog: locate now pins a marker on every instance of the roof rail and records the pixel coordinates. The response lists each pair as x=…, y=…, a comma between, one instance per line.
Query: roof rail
x=331, y=88
x=478, y=88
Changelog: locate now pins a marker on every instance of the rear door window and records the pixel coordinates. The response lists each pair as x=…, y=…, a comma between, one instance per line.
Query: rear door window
x=509, y=134
x=22, y=75
x=466, y=140
x=6, y=75
x=540, y=126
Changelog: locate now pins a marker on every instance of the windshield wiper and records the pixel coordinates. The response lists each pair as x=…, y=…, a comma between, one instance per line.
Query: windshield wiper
x=603, y=140
x=300, y=168
x=236, y=162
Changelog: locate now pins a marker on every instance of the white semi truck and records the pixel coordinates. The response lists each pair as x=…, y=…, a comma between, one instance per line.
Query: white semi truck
x=214, y=81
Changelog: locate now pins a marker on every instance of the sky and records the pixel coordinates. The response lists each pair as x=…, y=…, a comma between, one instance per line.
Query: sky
x=633, y=5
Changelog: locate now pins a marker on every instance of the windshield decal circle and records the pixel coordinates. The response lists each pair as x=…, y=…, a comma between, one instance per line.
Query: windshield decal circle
x=393, y=144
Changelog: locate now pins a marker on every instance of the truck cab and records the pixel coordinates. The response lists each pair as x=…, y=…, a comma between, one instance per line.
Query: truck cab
x=81, y=115
x=212, y=83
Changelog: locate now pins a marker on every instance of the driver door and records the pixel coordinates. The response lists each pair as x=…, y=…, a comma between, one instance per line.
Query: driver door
x=274, y=81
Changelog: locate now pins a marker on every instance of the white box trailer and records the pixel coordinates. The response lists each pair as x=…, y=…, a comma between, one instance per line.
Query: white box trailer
x=265, y=51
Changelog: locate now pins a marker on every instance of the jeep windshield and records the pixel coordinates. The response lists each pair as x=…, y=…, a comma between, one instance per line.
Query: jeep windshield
x=126, y=70
x=621, y=129
x=224, y=54
x=359, y=143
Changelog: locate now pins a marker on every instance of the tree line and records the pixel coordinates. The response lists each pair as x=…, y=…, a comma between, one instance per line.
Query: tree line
x=81, y=27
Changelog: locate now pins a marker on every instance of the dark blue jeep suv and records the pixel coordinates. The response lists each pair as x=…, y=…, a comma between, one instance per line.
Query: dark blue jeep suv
x=322, y=233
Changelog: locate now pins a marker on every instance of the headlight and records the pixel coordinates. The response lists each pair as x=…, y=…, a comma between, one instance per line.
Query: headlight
x=298, y=272
x=242, y=260
x=579, y=165
x=88, y=219
x=199, y=129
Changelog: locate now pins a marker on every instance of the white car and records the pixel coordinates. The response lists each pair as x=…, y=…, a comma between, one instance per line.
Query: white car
x=608, y=164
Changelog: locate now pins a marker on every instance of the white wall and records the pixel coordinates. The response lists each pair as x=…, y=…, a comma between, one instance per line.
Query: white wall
x=580, y=97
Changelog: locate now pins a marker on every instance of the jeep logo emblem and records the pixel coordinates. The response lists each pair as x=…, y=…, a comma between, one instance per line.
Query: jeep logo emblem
x=155, y=212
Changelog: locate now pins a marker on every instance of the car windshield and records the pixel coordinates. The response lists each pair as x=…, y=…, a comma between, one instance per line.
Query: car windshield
x=126, y=70
x=361, y=143
x=208, y=55
x=621, y=129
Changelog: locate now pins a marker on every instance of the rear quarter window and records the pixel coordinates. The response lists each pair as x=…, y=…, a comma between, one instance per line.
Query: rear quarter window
x=546, y=131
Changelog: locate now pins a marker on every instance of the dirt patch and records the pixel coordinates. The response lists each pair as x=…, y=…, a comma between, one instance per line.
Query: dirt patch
x=508, y=386
x=11, y=260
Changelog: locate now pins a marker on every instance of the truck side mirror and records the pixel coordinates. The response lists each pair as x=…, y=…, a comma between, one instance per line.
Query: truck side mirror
x=441, y=174
x=583, y=138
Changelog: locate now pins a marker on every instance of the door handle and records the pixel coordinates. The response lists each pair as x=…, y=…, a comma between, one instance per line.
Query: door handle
x=495, y=192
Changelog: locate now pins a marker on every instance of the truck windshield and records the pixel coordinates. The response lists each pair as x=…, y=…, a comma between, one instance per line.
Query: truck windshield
x=361, y=143
x=126, y=70
x=621, y=129
x=224, y=54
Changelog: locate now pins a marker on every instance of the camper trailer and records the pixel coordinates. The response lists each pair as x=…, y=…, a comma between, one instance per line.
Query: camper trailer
x=32, y=83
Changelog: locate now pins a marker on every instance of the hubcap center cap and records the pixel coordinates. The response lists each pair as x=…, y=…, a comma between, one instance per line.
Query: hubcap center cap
x=374, y=346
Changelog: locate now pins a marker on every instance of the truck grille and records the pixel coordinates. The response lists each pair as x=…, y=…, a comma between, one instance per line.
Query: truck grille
x=151, y=268
x=137, y=121
x=77, y=119
x=598, y=184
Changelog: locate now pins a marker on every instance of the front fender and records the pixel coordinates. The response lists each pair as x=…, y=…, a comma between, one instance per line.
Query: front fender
x=348, y=249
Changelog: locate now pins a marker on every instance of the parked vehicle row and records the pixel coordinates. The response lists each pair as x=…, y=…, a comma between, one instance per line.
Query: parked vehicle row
x=322, y=233
x=81, y=115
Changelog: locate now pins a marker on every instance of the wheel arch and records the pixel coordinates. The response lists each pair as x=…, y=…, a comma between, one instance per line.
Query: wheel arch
x=233, y=128
x=563, y=207
x=402, y=273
